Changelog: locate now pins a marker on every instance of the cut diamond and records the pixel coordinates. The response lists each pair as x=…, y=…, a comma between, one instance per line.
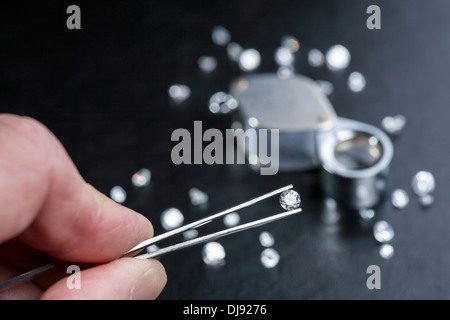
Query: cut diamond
x=179, y=93
x=423, y=183
x=213, y=254
x=399, y=198
x=118, y=194
x=356, y=82
x=383, y=231
x=270, y=257
x=290, y=200
x=316, y=58
x=393, y=124
x=141, y=178
x=232, y=219
x=337, y=57
x=249, y=60
x=266, y=239
x=198, y=197
x=220, y=36
x=386, y=251
x=171, y=218
x=207, y=63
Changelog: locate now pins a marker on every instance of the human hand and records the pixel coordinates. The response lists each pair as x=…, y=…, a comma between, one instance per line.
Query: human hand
x=47, y=209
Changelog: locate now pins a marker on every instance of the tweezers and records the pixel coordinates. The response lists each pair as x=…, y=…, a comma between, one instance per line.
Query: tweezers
x=34, y=273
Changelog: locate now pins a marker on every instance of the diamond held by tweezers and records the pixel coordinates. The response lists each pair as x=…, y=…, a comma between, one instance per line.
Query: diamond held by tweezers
x=290, y=200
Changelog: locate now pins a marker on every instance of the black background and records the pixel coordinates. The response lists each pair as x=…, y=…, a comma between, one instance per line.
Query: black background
x=103, y=91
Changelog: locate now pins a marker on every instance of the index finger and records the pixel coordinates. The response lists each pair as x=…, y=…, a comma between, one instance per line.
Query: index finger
x=50, y=207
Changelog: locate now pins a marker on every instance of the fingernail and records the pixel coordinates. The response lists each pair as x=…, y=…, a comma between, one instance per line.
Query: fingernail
x=150, y=284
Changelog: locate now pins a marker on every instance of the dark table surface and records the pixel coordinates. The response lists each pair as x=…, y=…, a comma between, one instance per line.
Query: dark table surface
x=103, y=91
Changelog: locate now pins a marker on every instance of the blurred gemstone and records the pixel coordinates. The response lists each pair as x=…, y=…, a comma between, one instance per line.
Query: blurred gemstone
x=179, y=92
x=232, y=219
x=234, y=50
x=356, y=82
x=221, y=102
x=118, y=194
x=207, y=63
x=266, y=239
x=285, y=72
x=270, y=257
x=316, y=58
x=171, y=218
x=399, y=198
x=290, y=200
x=284, y=57
x=366, y=214
x=393, y=124
x=220, y=35
x=249, y=60
x=213, y=254
x=386, y=251
x=141, y=178
x=152, y=248
x=326, y=86
x=383, y=231
x=423, y=183
x=190, y=234
x=291, y=43
x=198, y=197
x=426, y=200
x=337, y=57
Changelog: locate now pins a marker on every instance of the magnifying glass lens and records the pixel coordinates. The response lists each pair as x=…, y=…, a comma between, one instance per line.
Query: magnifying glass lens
x=359, y=152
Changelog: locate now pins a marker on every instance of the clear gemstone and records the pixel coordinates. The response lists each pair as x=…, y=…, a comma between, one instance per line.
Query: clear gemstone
x=386, y=251
x=152, y=248
x=285, y=72
x=198, y=197
x=399, y=198
x=290, y=200
x=222, y=102
x=234, y=50
x=426, y=200
x=337, y=57
x=266, y=239
x=171, y=218
x=190, y=234
x=356, y=82
x=179, y=93
x=118, y=194
x=291, y=43
x=207, y=63
x=326, y=86
x=249, y=60
x=213, y=254
x=393, y=124
x=220, y=35
x=284, y=57
x=232, y=219
x=423, y=183
x=366, y=214
x=270, y=258
x=141, y=178
x=383, y=231
x=316, y=58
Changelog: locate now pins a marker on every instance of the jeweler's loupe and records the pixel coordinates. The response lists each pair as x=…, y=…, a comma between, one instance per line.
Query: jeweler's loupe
x=353, y=157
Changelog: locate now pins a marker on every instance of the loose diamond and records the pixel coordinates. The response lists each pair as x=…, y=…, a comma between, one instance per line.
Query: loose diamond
x=141, y=178
x=266, y=239
x=152, y=248
x=118, y=194
x=284, y=57
x=198, y=197
x=366, y=214
x=221, y=102
x=337, y=57
x=220, y=36
x=383, y=231
x=426, y=200
x=249, y=60
x=213, y=254
x=270, y=257
x=291, y=43
x=171, y=218
x=356, y=82
x=207, y=63
x=290, y=200
x=393, y=124
x=285, y=72
x=423, y=183
x=179, y=93
x=232, y=219
x=386, y=251
x=399, y=198
x=234, y=50
x=326, y=86
x=190, y=234
x=316, y=58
